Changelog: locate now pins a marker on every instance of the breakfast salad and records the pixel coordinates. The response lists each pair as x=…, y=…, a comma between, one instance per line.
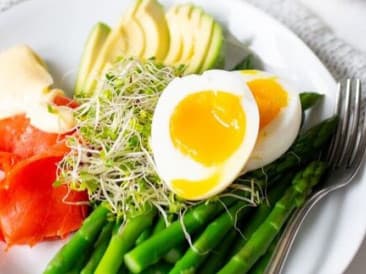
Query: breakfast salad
x=164, y=160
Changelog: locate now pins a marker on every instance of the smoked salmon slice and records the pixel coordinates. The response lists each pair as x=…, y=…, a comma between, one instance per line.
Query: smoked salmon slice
x=31, y=208
x=18, y=136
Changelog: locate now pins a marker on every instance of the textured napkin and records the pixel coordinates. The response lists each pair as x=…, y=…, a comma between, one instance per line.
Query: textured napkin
x=342, y=60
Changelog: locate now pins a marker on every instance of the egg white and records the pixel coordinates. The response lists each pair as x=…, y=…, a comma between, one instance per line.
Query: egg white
x=276, y=137
x=170, y=163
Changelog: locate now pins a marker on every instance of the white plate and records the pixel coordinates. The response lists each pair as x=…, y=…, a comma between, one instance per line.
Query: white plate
x=57, y=31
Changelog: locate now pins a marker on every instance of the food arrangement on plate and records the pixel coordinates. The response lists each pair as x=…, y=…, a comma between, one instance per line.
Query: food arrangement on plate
x=175, y=164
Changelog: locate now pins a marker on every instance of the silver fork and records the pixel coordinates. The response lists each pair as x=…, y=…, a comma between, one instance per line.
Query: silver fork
x=344, y=157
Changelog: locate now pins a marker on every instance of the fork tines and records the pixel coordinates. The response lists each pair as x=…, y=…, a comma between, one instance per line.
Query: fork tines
x=349, y=138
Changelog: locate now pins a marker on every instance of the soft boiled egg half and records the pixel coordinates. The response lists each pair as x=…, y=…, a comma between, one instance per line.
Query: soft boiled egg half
x=280, y=116
x=203, y=132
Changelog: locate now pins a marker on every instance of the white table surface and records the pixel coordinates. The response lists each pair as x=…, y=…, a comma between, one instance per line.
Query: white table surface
x=347, y=18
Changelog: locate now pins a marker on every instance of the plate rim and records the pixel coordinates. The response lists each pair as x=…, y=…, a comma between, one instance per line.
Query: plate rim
x=280, y=24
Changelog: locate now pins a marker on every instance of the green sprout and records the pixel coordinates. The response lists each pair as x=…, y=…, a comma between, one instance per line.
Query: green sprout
x=110, y=156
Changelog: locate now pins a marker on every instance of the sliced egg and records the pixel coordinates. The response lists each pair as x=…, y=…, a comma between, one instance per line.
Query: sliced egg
x=280, y=116
x=203, y=132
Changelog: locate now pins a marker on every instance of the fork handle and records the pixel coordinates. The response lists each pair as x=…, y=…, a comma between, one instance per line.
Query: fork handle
x=287, y=239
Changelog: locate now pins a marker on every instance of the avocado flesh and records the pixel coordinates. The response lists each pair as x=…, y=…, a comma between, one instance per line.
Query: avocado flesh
x=94, y=44
x=215, y=55
x=114, y=46
x=135, y=38
x=184, y=17
x=142, y=32
x=176, y=43
x=202, y=38
x=151, y=17
x=199, y=37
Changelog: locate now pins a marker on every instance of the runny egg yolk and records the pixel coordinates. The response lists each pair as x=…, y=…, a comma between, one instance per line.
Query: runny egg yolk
x=189, y=189
x=250, y=71
x=270, y=97
x=208, y=126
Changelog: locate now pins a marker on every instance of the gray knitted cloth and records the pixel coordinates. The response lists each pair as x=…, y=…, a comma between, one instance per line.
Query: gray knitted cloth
x=341, y=59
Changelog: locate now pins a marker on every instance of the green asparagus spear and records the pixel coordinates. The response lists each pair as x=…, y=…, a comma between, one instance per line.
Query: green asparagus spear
x=210, y=238
x=78, y=266
x=82, y=240
x=218, y=256
x=123, y=270
x=144, y=235
x=261, y=213
x=258, y=243
x=309, y=99
x=175, y=254
x=150, y=251
x=158, y=268
x=260, y=266
x=123, y=241
x=305, y=149
x=215, y=232
x=100, y=247
x=159, y=226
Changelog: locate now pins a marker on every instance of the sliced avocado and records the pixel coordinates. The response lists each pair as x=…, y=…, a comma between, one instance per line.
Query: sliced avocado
x=215, y=55
x=142, y=32
x=131, y=11
x=94, y=43
x=176, y=43
x=114, y=46
x=186, y=31
x=202, y=41
x=135, y=36
x=199, y=36
x=151, y=17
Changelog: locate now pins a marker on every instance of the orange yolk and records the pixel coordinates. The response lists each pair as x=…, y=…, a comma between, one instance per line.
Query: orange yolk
x=270, y=98
x=190, y=190
x=250, y=71
x=208, y=126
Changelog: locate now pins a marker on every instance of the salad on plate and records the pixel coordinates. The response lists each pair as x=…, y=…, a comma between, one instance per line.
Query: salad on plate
x=164, y=160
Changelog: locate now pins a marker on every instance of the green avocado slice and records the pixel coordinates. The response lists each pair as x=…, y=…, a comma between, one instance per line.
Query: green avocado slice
x=215, y=56
x=115, y=45
x=135, y=36
x=197, y=40
x=202, y=41
x=176, y=43
x=94, y=44
x=151, y=17
x=142, y=32
x=185, y=21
